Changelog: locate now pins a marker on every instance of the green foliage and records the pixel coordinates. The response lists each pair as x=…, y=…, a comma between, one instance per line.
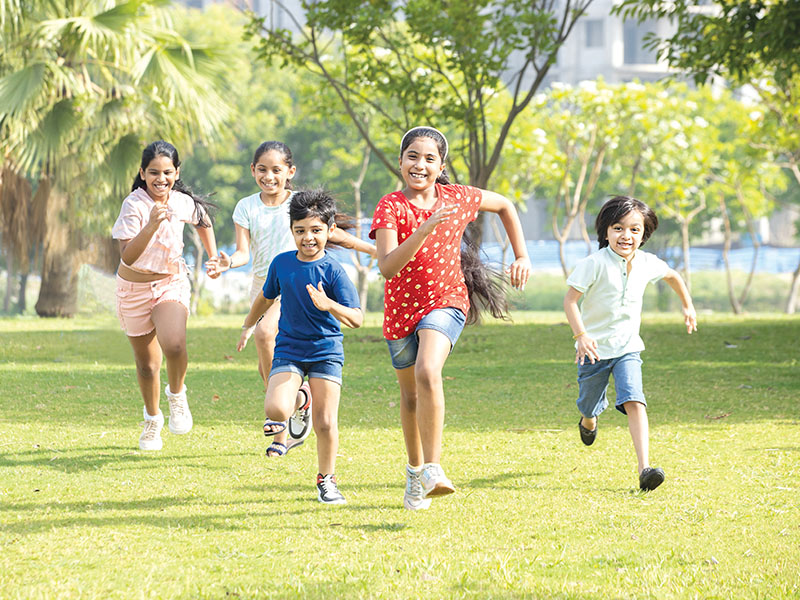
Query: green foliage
x=536, y=514
x=729, y=38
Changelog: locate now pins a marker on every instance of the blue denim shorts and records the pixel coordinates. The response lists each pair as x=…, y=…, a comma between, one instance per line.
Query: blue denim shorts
x=330, y=369
x=593, y=383
x=449, y=321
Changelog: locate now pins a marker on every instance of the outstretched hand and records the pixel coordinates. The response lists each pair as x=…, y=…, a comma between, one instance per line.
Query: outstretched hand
x=520, y=271
x=216, y=265
x=690, y=319
x=319, y=297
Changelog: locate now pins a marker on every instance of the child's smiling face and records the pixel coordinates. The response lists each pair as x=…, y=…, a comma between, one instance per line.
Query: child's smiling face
x=310, y=236
x=160, y=177
x=625, y=236
x=421, y=164
x=271, y=172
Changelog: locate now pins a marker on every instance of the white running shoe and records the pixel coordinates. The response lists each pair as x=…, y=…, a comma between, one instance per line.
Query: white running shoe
x=434, y=481
x=151, y=434
x=327, y=490
x=300, y=424
x=414, y=499
x=180, y=417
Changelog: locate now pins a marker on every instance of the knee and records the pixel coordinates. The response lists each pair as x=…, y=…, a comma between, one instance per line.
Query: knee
x=148, y=370
x=174, y=348
x=428, y=378
x=409, y=400
x=265, y=334
x=325, y=425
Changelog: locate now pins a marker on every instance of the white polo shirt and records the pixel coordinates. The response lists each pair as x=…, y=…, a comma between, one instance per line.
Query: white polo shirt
x=611, y=307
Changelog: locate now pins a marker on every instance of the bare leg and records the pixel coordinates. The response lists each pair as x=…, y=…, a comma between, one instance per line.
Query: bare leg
x=640, y=432
x=170, y=322
x=281, y=396
x=408, y=415
x=434, y=348
x=147, y=354
x=325, y=415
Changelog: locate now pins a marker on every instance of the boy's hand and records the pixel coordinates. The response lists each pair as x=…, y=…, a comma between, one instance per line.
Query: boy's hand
x=520, y=271
x=690, y=318
x=587, y=348
x=246, y=333
x=319, y=297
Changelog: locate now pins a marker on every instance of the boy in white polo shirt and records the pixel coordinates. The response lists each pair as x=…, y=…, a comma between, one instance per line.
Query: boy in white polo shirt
x=606, y=325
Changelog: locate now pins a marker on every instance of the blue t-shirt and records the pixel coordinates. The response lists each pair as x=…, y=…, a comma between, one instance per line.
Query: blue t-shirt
x=306, y=333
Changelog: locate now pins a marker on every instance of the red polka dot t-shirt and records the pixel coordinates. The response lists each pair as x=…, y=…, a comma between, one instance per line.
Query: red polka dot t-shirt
x=432, y=278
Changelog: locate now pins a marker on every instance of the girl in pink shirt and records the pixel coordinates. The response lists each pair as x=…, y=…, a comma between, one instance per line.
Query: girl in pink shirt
x=429, y=282
x=153, y=286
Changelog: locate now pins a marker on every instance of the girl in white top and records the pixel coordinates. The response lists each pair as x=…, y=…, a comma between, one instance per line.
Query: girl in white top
x=152, y=284
x=262, y=224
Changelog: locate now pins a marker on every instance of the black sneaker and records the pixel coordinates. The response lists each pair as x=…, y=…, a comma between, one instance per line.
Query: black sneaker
x=328, y=491
x=650, y=478
x=587, y=435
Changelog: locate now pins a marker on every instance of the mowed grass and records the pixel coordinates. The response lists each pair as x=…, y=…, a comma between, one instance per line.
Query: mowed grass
x=85, y=514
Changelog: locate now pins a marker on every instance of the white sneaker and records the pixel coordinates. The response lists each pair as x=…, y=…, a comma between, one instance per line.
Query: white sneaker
x=414, y=499
x=434, y=481
x=300, y=425
x=180, y=417
x=151, y=434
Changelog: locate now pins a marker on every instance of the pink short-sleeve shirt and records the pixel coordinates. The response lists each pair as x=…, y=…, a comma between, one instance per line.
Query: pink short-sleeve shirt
x=432, y=278
x=164, y=252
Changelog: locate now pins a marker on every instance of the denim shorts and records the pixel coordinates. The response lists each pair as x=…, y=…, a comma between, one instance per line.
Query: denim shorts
x=449, y=321
x=593, y=383
x=330, y=369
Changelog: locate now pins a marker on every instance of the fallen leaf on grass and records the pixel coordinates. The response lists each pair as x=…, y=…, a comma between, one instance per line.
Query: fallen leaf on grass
x=228, y=357
x=722, y=416
x=215, y=398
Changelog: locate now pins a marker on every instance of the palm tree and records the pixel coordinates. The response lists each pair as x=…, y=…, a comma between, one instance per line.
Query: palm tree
x=84, y=84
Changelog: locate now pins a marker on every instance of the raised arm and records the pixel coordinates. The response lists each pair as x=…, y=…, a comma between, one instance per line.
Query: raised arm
x=347, y=240
x=587, y=346
x=130, y=250
x=520, y=269
x=392, y=257
x=241, y=256
x=675, y=281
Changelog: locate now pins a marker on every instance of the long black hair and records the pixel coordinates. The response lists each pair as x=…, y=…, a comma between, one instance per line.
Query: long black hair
x=202, y=206
x=485, y=286
x=615, y=209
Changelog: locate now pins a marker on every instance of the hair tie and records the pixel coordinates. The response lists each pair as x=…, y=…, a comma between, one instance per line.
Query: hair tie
x=446, y=145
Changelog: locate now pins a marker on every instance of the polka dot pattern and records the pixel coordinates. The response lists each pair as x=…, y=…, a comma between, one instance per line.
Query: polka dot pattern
x=432, y=278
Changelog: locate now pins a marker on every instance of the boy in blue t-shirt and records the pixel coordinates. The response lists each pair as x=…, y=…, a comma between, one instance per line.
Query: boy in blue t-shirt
x=316, y=295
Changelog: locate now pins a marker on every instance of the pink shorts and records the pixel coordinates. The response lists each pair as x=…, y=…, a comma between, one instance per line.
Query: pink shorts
x=136, y=300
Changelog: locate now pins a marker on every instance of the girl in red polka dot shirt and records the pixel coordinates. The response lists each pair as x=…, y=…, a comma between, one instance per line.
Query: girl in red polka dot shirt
x=429, y=281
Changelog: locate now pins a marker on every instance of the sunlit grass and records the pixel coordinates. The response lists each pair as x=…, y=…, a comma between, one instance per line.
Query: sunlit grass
x=85, y=514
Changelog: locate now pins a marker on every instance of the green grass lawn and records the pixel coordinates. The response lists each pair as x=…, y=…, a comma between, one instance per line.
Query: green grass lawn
x=85, y=514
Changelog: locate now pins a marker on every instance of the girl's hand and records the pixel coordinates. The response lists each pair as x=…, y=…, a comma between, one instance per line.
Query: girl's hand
x=319, y=297
x=520, y=271
x=159, y=213
x=441, y=215
x=690, y=318
x=246, y=333
x=217, y=265
x=587, y=348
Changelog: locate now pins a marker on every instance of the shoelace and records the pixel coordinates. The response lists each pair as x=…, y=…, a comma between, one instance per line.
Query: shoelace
x=329, y=486
x=415, y=485
x=150, y=430
x=176, y=407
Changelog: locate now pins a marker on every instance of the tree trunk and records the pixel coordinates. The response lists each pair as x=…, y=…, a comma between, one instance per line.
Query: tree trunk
x=10, y=277
x=791, y=303
x=58, y=296
x=23, y=288
x=725, y=249
x=756, y=247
